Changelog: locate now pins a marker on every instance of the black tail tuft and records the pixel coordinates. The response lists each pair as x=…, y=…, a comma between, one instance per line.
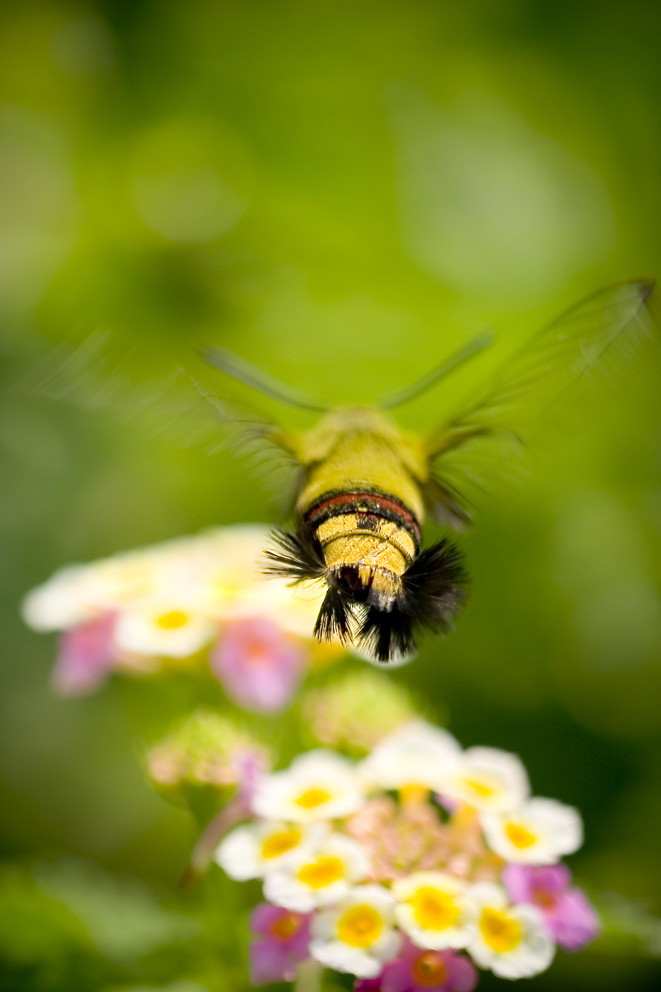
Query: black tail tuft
x=336, y=617
x=297, y=555
x=434, y=593
x=436, y=587
x=387, y=637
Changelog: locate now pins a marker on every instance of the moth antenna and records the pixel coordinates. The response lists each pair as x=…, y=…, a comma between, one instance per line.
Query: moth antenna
x=474, y=346
x=296, y=555
x=237, y=368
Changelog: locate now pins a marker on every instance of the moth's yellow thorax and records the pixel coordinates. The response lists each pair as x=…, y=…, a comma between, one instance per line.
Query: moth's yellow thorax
x=361, y=451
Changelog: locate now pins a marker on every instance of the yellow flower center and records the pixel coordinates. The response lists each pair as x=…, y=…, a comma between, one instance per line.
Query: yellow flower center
x=172, y=620
x=312, y=797
x=360, y=926
x=520, y=836
x=433, y=909
x=412, y=794
x=429, y=969
x=320, y=873
x=286, y=926
x=499, y=931
x=479, y=787
x=280, y=843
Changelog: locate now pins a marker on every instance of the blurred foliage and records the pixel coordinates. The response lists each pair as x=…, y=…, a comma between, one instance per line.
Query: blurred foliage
x=341, y=193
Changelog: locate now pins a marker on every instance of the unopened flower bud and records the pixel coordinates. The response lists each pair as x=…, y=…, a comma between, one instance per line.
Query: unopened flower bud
x=207, y=751
x=356, y=711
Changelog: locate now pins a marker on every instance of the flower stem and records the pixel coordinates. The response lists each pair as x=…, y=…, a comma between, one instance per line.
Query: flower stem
x=308, y=976
x=211, y=837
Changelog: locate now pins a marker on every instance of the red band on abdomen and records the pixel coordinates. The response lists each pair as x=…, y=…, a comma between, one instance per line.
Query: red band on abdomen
x=368, y=502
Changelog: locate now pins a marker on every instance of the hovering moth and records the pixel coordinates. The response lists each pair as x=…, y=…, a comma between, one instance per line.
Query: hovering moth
x=366, y=486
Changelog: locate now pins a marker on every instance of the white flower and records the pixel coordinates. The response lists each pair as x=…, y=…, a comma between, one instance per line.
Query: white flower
x=216, y=574
x=80, y=592
x=233, y=585
x=317, y=877
x=293, y=608
x=253, y=850
x=434, y=911
x=487, y=778
x=129, y=577
x=161, y=628
x=66, y=600
x=416, y=754
x=510, y=940
x=539, y=832
x=357, y=935
x=319, y=785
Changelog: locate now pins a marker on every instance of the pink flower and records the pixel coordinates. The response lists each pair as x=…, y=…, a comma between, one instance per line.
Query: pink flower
x=569, y=917
x=286, y=937
x=258, y=664
x=419, y=970
x=85, y=656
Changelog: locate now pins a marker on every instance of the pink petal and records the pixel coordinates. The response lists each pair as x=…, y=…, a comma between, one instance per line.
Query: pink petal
x=463, y=975
x=258, y=664
x=367, y=985
x=85, y=656
x=524, y=883
x=269, y=962
x=574, y=922
x=399, y=975
x=263, y=917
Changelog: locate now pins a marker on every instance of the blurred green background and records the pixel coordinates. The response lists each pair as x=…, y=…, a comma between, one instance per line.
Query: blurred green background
x=341, y=193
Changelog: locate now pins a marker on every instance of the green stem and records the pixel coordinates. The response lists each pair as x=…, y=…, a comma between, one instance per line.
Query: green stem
x=308, y=976
x=210, y=838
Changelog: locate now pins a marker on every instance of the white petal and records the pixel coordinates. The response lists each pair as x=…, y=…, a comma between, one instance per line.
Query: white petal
x=415, y=754
x=557, y=829
x=277, y=794
x=341, y=957
x=404, y=888
x=387, y=946
x=138, y=631
x=488, y=894
x=62, y=602
x=485, y=768
x=324, y=925
x=237, y=854
x=284, y=889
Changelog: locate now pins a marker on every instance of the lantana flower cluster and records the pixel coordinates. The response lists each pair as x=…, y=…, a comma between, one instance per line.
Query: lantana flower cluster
x=410, y=869
x=200, y=600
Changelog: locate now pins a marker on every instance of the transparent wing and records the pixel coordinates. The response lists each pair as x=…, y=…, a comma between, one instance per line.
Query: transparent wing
x=148, y=389
x=539, y=391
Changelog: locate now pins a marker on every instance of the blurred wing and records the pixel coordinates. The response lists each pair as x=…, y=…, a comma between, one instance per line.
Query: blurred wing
x=149, y=390
x=539, y=390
